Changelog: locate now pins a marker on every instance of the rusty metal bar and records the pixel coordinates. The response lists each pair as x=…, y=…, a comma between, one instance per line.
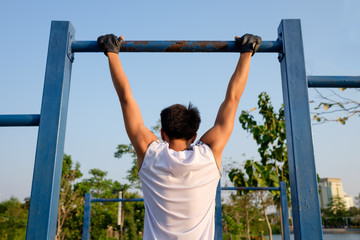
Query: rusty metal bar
x=175, y=46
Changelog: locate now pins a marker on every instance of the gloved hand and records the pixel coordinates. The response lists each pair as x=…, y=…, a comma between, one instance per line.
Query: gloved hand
x=248, y=43
x=110, y=43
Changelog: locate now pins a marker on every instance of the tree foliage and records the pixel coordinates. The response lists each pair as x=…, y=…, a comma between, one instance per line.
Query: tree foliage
x=13, y=218
x=103, y=215
x=270, y=137
x=128, y=149
x=334, y=214
x=69, y=199
x=272, y=167
x=132, y=174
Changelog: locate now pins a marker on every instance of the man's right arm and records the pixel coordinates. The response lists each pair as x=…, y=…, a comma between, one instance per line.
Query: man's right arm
x=219, y=134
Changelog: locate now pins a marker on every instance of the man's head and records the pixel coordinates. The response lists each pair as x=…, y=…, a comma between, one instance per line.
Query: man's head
x=179, y=122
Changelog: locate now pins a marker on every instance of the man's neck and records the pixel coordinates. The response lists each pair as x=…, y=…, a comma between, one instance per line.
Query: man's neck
x=179, y=144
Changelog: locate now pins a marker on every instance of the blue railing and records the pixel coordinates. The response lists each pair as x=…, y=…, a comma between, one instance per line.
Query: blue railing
x=218, y=221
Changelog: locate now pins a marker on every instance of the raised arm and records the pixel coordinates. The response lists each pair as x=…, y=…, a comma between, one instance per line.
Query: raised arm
x=219, y=134
x=139, y=135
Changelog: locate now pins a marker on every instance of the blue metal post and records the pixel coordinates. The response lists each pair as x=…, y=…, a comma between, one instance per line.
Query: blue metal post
x=284, y=211
x=45, y=189
x=218, y=214
x=87, y=217
x=303, y=182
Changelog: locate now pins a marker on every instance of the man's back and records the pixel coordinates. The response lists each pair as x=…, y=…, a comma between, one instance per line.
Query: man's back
x=179, y=192
x=179, y=195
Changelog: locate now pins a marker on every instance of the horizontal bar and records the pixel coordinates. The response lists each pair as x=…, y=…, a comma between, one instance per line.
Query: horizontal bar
x=175, y=46
x=252, y=188
x=333, y=81
x=117, y=200
x=19, y=120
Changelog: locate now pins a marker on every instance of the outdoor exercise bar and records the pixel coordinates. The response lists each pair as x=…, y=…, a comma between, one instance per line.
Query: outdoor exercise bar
x=52, y=124
x=333, y=81
x=117, y=200
x=18, y=120
x=252, y=188
x=175, y=46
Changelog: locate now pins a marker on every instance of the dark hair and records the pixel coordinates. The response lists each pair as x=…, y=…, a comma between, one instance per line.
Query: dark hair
x=180, y=122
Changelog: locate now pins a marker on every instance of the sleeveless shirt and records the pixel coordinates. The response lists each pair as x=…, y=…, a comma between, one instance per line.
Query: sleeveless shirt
x=179, y=190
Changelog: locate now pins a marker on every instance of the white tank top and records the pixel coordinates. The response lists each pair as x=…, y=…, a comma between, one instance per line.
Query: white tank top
x=179, y=192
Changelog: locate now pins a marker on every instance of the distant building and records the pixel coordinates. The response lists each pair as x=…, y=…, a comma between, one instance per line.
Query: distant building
x=349, y=201
x=330, y=187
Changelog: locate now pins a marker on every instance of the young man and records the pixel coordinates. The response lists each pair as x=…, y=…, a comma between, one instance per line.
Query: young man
x=179, y=180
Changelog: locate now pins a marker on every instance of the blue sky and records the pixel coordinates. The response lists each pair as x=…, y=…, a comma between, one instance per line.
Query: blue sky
x=331, y=41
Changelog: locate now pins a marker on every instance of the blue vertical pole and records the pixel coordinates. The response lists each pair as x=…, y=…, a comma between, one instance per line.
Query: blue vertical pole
x=45, y=188
x=303, y=182
x=284, y=211
x=218, y=214
x=87, y=217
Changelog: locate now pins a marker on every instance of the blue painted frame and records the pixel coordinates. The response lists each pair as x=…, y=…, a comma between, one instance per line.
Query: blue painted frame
x=45, y=188
x=303, y=182
x=283, y=205
x=218, y=214
x=87, y=210
x=52, y=121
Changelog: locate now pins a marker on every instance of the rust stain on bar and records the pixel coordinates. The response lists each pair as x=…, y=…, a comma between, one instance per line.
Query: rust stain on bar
x=176, y=47
x=186, y=46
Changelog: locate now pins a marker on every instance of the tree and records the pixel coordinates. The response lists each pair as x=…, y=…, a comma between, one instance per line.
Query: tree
x=124, y=149
x=13, y=219
x=334, y=214
x=271, y=139
x=103, y=215
x=132, y=176
x=335, y=106
x=69, y=199
x=240, y=214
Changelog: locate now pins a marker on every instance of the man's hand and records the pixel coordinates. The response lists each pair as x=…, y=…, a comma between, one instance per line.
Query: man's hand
x=110, y=43
x=248, y=43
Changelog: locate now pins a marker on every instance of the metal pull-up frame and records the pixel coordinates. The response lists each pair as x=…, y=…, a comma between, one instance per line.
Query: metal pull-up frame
x=52, y=121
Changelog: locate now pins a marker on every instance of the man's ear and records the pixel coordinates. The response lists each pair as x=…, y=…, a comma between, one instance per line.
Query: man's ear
x=193, y=138
x=162, y=134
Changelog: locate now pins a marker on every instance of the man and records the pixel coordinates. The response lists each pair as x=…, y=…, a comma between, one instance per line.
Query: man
x=179, y=180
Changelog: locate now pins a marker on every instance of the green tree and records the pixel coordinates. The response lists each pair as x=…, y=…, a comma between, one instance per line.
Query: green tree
x=132, y=174
x=241, y=216
x=103, y=215
x=270, y=137
x=13, y=219
x=69, y=199
x=334, y=214
x=128, y=149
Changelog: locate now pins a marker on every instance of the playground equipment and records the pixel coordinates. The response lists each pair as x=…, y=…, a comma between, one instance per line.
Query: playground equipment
x=52, y=120
x=218, y=217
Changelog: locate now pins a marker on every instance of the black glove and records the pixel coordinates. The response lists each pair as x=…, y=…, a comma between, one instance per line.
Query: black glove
x=109, y=43
x=248, y=43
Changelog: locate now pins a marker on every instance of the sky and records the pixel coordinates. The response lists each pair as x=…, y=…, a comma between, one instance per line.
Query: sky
x=330, y=31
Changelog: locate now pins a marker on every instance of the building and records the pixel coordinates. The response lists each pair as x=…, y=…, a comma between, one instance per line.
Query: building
x=330, y=187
